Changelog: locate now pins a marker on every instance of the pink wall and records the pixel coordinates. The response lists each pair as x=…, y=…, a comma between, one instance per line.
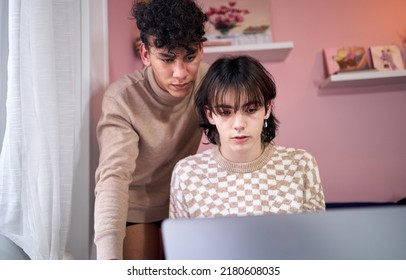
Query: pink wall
x=122, y=31
x=357, y=135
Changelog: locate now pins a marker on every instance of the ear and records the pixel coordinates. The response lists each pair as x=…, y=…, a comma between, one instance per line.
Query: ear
x=145, y=56
x=268, y=110
x=208, y=115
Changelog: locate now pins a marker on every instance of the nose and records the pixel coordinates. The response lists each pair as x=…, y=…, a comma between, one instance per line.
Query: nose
x=180, y=70
x=239, y=122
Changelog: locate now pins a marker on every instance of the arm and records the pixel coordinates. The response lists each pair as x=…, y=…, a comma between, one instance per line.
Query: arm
x=313, y=190
x=118, y=144
x=177, y=206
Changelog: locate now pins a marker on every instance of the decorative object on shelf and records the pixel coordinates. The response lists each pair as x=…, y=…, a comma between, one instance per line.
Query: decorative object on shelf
x=226, y=17
x=344, y=59
x=341, y=64
x=386, y=58
x=255, y=29
x=240, y=22
x=402, y=37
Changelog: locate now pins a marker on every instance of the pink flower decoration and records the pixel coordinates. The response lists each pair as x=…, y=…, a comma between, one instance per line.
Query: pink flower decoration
x=226, y=17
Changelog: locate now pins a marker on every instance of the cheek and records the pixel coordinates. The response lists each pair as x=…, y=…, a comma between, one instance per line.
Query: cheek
x=224, y=126
x=222, y=130
x=162, y=77
x=161, y=71
x=220, y=123
x=193, y=67
x=257, y=122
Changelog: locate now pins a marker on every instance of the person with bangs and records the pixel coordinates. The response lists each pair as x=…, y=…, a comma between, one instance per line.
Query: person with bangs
x=148, y=123
x=244, y=173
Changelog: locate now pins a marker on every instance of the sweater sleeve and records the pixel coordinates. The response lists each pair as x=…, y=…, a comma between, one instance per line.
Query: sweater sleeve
x=177, y=206
x=314, y=195
x=118, y=145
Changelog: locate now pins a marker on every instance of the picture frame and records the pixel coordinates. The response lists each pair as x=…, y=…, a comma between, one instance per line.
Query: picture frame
x=237, y=22
x=386, y=58
x=346, y=59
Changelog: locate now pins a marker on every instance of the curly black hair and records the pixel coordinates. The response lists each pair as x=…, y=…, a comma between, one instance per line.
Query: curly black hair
x=245, y=77
x=171, y=23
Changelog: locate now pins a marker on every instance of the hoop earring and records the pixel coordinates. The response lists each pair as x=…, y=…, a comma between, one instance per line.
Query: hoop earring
x=266, y=123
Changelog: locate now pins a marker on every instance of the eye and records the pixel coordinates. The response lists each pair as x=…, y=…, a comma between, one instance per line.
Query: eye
x=190, y=58
x=167, y=60
x=223, y=112
x=252, y=109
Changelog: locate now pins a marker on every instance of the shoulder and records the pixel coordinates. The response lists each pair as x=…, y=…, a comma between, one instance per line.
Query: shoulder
x=196, y=163
x=298, y=155
x=127, y=84
x=128, y=94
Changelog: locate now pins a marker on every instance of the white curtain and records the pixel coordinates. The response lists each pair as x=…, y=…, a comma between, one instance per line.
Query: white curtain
x=37, y=157
x=3, y=65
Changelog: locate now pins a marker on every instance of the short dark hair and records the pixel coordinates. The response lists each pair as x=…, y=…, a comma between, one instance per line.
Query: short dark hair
x=243, y=75
x=171, y=23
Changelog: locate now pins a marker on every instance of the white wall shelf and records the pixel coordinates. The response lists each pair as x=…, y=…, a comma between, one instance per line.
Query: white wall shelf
x=264, y=52
x=365, y=78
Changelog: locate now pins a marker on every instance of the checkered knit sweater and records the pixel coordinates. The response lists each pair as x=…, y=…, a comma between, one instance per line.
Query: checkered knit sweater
x=281, y=180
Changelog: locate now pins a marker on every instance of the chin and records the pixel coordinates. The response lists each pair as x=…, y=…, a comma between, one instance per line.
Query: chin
x=179, y=93
x=240, y=148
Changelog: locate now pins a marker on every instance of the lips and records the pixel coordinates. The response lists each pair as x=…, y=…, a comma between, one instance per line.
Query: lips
x=240, y=139
x=182, y=86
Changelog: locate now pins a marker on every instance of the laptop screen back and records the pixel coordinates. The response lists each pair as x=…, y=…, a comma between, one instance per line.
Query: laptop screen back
x=356, y=233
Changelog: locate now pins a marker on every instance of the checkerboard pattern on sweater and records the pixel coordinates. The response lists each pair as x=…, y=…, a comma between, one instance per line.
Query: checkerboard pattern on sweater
x=281, y=180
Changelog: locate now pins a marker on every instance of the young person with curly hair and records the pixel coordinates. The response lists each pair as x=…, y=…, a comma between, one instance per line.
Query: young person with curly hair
x=147, y=124
x=245, y=173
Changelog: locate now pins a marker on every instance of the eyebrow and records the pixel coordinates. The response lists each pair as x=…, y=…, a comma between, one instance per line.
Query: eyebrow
x=165, y=54
x=172, y=54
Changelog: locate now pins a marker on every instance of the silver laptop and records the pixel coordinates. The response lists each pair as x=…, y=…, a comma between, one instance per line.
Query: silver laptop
x=354, y=233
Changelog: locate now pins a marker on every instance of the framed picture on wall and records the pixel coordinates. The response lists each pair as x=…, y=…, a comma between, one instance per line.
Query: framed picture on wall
x=344, y=59
x=386, y=58
x=237, y=22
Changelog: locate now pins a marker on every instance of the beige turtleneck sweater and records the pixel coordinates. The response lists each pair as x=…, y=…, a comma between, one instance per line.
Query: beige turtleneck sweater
x=142, y=132
x=281, y=180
